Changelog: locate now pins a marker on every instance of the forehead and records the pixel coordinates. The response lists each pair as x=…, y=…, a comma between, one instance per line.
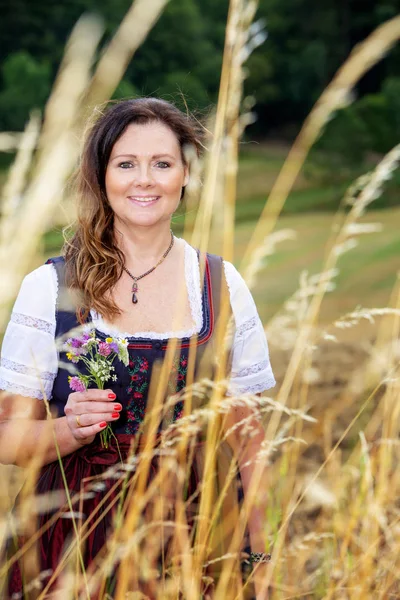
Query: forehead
x=147, y=139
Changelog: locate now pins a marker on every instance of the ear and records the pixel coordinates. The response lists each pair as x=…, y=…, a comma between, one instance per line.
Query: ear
x=186, y=176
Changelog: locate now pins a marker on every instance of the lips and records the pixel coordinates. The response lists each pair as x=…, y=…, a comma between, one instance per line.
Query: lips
x=143, y=200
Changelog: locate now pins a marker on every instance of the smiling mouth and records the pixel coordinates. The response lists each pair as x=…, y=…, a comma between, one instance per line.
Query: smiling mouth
x=144, y=199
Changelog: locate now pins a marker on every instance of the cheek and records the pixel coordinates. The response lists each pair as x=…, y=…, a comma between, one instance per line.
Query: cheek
x=109, y=182
x=115, y=181
x=175, y=182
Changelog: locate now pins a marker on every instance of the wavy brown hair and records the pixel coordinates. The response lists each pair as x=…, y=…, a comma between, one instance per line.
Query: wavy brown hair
x=93, y=260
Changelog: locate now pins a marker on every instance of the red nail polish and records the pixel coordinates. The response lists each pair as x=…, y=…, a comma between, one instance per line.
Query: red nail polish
x=115, y=415
x=103, y=424
x=117, y=406
x=112, y=396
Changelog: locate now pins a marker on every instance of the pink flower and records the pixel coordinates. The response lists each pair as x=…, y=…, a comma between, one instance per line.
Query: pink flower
x=104, y=349
x=144, y=366
x=76, y=384
x=137, y=395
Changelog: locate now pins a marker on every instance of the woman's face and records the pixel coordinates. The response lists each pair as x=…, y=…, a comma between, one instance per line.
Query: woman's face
x=145, y=175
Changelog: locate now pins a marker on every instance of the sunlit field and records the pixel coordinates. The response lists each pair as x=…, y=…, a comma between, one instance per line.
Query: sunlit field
x=323, y=265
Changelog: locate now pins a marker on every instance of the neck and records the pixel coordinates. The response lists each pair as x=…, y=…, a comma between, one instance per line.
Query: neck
x=142, y=245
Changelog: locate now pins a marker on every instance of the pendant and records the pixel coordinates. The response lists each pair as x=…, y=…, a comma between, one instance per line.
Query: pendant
x=134, y=290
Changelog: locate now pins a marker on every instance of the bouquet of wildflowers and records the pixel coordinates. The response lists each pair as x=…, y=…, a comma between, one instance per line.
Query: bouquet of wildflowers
x=98, y=357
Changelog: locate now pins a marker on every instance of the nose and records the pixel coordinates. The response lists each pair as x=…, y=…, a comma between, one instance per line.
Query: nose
x=143, y=176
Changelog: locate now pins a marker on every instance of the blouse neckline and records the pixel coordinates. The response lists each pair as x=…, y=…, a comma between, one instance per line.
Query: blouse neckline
x=193, y=288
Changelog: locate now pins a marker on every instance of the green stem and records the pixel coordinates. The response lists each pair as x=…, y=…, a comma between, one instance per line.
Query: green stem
x=107, y=433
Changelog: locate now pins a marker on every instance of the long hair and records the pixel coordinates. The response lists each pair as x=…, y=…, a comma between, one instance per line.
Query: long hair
x=93, y=260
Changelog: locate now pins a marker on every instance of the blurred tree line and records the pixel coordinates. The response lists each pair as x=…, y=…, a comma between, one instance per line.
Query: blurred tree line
x=307, y=41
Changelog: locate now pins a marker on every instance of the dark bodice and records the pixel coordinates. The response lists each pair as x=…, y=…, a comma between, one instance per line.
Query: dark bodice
x=132, y=383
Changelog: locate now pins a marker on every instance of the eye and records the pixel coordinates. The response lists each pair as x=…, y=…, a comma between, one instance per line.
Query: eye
x=125, y=165
x=163, y=165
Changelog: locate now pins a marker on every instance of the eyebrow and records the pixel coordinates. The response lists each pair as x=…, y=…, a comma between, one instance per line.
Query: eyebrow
x=154, y=156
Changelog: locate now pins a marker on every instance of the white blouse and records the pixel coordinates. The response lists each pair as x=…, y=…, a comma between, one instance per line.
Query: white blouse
x=29, y=357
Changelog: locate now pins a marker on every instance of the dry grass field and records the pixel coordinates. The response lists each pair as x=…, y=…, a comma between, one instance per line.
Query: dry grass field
x=326, y=286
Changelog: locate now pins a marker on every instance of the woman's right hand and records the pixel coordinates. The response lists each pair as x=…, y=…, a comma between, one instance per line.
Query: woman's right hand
x=89, y=412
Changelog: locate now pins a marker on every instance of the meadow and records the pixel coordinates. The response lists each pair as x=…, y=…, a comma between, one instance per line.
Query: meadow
x=366, y=275
x=322, y=264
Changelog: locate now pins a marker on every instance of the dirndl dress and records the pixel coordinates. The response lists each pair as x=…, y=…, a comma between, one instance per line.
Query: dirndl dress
x=96, y=497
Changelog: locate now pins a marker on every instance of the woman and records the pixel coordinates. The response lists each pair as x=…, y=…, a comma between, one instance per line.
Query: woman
x=128, y=273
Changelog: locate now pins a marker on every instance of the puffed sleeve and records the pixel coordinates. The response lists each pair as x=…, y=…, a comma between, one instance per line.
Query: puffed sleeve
x=29, y=357
x=251, y=370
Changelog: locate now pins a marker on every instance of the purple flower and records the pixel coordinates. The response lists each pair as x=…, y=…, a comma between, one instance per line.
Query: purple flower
x=76, y=343
x=105, y=349
x=76, y=384
x=114, y=347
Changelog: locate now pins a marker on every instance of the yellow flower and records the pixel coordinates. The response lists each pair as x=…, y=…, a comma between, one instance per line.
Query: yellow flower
x=109, y=340
x=69, y=356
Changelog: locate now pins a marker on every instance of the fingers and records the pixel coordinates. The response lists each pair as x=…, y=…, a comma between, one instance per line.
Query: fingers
x=91, y=395
x=89, y=424
x=89, y=412
x=95, y=394
x=85, y=433
x=88, y=419
x=92, y=401
x=82, y=408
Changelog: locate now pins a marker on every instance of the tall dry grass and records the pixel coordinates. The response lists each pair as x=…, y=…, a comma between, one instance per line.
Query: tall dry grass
x=332, y=519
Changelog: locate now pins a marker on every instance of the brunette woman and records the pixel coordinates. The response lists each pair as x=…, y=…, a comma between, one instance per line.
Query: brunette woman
x=123, y=274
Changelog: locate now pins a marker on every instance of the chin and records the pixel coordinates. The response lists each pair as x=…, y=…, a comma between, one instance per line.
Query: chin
x=145, y=221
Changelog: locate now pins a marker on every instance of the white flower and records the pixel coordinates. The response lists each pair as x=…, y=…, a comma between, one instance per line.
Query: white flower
x=123, y=354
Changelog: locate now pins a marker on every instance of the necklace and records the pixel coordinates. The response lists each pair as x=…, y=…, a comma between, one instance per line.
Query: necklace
x=136, y=279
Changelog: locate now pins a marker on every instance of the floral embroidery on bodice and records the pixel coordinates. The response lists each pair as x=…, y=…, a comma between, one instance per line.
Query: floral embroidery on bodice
x=137, y=391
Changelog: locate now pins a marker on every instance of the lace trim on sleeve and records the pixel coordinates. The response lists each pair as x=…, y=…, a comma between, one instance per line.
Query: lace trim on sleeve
x=246, y=326
x=33, y=322
x=10, y=365
x=261, y=366
x=257, y=388
x=22, y=390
